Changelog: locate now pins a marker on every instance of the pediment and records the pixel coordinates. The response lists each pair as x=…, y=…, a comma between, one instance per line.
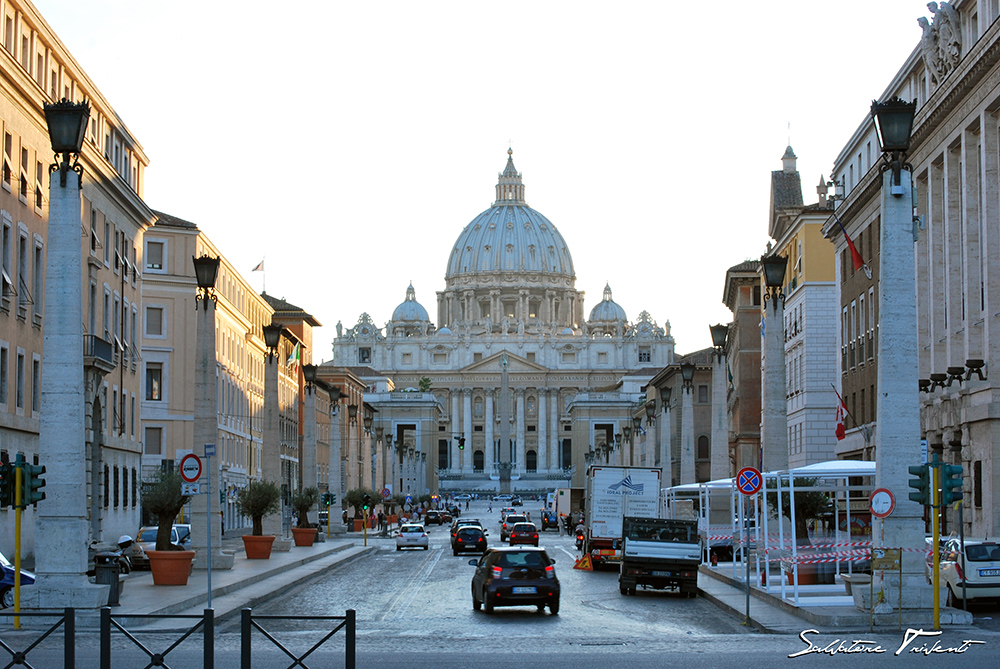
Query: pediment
x=515, y=364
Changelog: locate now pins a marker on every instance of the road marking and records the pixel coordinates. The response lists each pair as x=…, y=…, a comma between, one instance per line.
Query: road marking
x=567, y=553
x=412, y=586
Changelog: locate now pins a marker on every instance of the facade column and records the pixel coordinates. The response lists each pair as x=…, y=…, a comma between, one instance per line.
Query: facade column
x=488, y=453
x=467, y=431
x=206, y=526
x=336, y=466
x=774, y=403
x=666, y=452
x=720, y=465
x=455, y=462
x=519, y=431
x=543, y=445
x=309, y=457
x=555, y=458
x=687, y=435
x=271, y=449
x=897, y=439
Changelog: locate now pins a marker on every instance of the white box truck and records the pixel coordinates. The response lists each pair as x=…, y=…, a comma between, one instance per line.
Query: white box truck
x=612, y=494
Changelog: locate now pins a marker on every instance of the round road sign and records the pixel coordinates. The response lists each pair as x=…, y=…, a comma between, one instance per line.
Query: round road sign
x=386, y=493
x=749, y=481
x=881, y=503
x=190, y=468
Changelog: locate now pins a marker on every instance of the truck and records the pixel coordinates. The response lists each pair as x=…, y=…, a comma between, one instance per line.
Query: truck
x=611, y=494
x=569, y=503
x=659, y=553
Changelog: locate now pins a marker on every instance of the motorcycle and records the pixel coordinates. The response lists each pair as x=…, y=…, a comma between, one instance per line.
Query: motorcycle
x=579, y=540
x=7, y=582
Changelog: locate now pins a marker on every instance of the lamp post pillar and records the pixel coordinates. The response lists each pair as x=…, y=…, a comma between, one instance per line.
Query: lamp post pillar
x=774, y=407
x=336, y=467
x=666, y=456
x=309, y=464
x=720, y=466
x=897, y=439
x=488, y=455
x=687, y=435
x=271, y=451
x=61, y=518
x=206, y=525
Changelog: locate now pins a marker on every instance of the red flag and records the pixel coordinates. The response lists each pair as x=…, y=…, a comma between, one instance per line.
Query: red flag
x=841, y=431
x=859, y=262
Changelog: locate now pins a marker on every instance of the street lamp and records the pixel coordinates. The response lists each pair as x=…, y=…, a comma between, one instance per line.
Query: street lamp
x=719, y=335
x=893, y=124
x=687, y=376
x=650, y=412
x=352, y=413
x=272, y=337
x=67, y=123
x=206, y=269
x=774, y=276
x=368, y=419
x=309, y=374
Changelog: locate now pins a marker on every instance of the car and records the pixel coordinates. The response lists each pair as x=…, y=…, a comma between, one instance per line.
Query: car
x=454, y=511
x=7, y=582
x=411, y=535
x=462, y=498
x=516, y=502
x=515, y=576
x=549, y=519
x=505, y=511
x=980, y=574
x=523, y=533
x=145, y=540
x=432, y=516
x=508, y=523
x=459, y=522
x=502, y=498
x=469, y=538
x=445, y=516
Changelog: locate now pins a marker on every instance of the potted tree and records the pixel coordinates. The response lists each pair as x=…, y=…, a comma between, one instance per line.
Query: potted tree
x=302, y=502
x=162, y=499
x=256, y=500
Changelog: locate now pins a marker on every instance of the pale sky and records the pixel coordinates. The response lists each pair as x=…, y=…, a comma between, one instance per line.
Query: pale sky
x=349, y=143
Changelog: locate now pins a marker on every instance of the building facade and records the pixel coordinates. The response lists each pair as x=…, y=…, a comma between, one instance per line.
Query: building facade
x=954, y=76
x=510, y=299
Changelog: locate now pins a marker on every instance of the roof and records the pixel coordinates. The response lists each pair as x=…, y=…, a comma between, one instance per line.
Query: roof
x=283, y=309
x=172, y=221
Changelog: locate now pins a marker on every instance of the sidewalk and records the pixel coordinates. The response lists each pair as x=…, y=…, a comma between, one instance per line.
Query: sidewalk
x=248, y=583
x=825, y=608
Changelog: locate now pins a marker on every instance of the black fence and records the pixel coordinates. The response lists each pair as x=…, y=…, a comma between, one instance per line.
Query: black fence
x=206, y=622
x=66, y=620
x=248, y=622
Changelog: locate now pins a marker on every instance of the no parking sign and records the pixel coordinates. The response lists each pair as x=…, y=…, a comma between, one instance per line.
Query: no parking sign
x=749, y=481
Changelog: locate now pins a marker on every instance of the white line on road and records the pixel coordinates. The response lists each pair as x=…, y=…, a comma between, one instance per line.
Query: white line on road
x=412, y=586
x=567, y=552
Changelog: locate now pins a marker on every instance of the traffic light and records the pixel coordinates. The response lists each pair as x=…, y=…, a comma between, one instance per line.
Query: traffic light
x=326, y=499
x=951, y=484
x=461, y=443
x=367, y=502
x=32, y=480
x=922, y=484
x=6, y=484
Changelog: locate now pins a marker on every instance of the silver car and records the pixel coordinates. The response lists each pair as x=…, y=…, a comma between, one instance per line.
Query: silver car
x=981, y=572
x=411, y=535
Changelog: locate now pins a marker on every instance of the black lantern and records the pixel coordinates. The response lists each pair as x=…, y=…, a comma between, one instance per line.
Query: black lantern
x=650, y=411
x=67, y=123
x=272, y=337
x=368, y=419
x=774, y=275
x=637, y=422
x=720, y=333
x=665, y=394
x=627, y=432
x=309, y=373
x=894, y=123
x=687, y=374
x=206, y=269
x=352, y=412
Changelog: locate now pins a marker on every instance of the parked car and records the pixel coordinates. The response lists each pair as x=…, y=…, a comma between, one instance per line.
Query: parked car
x=432, y=516
x=462, y=498
x=459, y=522
x=515, y=576
x=523, y=533
x=502, y=498
x=411, y=535
x=980, y=575
x=509, y=522
x=7, y=582
x=145, y=540
x=469, y=538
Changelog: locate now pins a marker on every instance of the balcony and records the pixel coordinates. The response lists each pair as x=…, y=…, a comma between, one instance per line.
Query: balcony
x=98, y=354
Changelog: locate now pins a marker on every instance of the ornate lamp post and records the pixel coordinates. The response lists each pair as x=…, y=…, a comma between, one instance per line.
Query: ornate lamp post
x=271, y=451
x=310, y=458
x=774, y=407
x=61, y=532
x=897, y=413
x=664, y=426
x=368, y=421
x=687, y=423
x=720, y=465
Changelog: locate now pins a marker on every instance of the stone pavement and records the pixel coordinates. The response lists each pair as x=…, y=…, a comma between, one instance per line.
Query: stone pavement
x=824, y=608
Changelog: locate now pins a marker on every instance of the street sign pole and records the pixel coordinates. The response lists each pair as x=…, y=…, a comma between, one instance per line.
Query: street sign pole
x=208, y=514
x=748, y=482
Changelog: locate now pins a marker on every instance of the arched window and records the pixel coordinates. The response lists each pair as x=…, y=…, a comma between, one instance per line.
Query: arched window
x=703, y=464
x=477, y=461
x=531, y=460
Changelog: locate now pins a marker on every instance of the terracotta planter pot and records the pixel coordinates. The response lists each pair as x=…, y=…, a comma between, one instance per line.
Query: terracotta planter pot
x=304, y=536
x=257, y=547
x=170, y=567
x=358, y=524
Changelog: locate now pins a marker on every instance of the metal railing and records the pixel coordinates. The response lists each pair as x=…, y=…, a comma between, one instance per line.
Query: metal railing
x=248, y=623
x=67, y=619
x=158, y=659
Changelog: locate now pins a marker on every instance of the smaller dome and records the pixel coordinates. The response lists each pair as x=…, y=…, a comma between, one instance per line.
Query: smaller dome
x=607, y=310
x=410, y=310
x=567, y=331
x=444, y=331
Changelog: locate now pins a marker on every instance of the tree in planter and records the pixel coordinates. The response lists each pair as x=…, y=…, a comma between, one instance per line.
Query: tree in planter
x=163, y=500
x=302, y=501
x=256, y=500
x=355, y=498
x=396, y=500
x=424, y=384
x=809, y=505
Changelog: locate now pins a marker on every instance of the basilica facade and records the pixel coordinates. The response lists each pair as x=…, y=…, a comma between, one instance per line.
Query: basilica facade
x=509, y=305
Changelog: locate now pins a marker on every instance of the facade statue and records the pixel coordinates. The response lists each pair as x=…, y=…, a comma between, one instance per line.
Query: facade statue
x=340, y=329
x=940, y=40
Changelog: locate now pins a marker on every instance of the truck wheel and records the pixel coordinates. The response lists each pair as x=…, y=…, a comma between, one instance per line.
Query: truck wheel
x=622, y=589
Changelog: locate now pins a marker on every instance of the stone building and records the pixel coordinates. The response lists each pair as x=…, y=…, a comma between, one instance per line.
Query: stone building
x=953, y=74
x=742, y=295
x=37, y=69
x=510, y=298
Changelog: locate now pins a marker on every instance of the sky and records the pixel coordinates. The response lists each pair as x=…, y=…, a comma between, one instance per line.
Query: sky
x=347, y=144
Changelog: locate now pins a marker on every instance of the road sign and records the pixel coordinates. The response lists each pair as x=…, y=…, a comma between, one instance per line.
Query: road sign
x=209, y=450
x=386, y=493
x=190, y=468
x=886, y=558
x=409, y=499
x=584, y=563
x=881, y=503
x=749, y=481
x=188, y=489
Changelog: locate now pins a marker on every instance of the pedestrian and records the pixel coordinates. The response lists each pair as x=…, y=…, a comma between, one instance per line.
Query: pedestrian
x=489, y=508
x=344, y=516
x=466, y=505
x=381, y=520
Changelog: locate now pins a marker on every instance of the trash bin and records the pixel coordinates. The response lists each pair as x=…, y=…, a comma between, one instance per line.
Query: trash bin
x=106, y=573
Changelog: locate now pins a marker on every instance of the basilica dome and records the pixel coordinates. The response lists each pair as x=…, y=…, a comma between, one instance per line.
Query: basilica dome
x=510, y=237
x=409, y=309
x=607, y=310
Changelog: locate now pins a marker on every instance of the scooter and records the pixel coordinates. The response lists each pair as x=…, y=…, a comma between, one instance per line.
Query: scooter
x=579, y=540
